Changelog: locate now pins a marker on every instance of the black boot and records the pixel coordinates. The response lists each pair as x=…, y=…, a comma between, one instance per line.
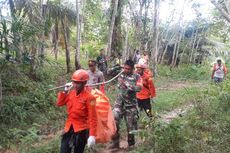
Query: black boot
x=115, y=141
x=131, y=140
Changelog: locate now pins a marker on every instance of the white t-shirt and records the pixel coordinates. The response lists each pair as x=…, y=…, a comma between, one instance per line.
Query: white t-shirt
x=219, y=71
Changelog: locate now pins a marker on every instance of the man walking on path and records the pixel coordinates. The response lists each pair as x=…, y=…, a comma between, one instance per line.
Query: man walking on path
x=95, y=75
x=129, y=83
x=80, y=127
x=219, y=71
x=148, y=90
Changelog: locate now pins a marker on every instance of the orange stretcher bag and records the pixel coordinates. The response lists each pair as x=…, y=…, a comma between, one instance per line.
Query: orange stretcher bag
x=106, y=126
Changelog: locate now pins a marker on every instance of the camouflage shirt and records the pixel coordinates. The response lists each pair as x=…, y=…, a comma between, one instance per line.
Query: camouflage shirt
x=128, y=86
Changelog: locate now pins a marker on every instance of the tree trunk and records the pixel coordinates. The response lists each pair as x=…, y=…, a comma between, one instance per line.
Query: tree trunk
x=145, y=35
x=174, y=51
x=193, y=46
x=34, y=63
x=116, y=45
x=182, y=54
x=64, y=26
x=180, y=25
x=55, y=35
x=16, y=36
x=178, y=48
x=82, y=22
x=195, y=51
x=110, y=36
x=0, y=90
x=197, y=45
x=1, y=104
x=155, y=36
x=227, y=4
x=166, y=36
x=139, y=24
x=42, y=50
x=164, y=51
x=166, y=48
x=125, y=51
x=78, y=43
x=222, y=11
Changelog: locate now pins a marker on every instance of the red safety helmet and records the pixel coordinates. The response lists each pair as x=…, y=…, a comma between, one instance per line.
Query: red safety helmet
x=80, y=75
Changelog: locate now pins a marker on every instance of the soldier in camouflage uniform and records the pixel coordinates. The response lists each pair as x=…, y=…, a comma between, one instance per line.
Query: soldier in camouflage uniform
x=129, y=83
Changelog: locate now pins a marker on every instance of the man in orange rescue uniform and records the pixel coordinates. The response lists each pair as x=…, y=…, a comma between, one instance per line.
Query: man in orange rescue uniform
x=82, y=118
x=148, y=90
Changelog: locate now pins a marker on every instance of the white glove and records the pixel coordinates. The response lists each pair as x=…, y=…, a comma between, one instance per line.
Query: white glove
x=68, y=86
x=91, y=141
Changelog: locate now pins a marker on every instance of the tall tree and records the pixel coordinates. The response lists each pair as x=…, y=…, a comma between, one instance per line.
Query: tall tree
x=78, y=43
x=55, y=14
x=16, y=40
x=154, y=53
x=224, y=8
x=0, y=92
x=43, y=11
x=125, y=50
x=110, y=35
x=179, y=35
x=64, y=26
x=65, y=16
x=116, y=45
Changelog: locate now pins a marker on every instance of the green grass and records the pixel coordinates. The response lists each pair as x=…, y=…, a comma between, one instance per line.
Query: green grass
x=28, y=109
x=168, y=100
x=204, y=129
x=51, y=146
x=186, y=72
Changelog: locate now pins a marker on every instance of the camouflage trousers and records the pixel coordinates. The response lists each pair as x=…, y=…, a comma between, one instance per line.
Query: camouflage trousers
x=130, y=115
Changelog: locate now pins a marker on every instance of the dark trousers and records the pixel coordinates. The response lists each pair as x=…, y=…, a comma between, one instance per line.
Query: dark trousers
x=130, y=114
x=218, y=80
x=74, y=140
x=146, y=105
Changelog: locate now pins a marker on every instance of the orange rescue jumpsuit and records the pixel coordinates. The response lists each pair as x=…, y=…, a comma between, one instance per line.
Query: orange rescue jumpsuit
x=80, y=109
x=148, y=91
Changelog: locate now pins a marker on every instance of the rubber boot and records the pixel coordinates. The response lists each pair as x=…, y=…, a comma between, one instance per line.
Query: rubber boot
x=131, y=140
x=115, y=141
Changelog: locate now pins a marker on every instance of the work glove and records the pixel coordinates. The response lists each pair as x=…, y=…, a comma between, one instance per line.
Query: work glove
x=91, y=141
x=68, y=86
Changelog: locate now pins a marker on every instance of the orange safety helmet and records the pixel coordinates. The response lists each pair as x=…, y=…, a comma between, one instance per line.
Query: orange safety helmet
x=80, y=75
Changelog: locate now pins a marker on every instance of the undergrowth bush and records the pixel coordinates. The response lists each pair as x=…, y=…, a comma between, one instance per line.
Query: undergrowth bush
x=204, y=129
x=185, y=72
x=28, y=110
